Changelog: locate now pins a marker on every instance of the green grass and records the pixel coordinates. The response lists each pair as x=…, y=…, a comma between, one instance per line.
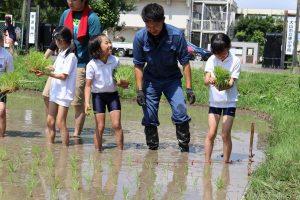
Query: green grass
x=278, y=95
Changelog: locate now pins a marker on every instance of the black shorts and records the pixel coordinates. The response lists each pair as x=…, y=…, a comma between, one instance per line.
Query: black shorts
x=101, y=100
x=226, y=111
x=2, y=97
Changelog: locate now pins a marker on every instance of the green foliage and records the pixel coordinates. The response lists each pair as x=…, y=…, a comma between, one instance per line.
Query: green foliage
x=122, y=73
x=222, y=77
x=241, y=35
x=254, y=28
x=109, y=11
x=9, y=82
x=50, y=11
x=35, y=60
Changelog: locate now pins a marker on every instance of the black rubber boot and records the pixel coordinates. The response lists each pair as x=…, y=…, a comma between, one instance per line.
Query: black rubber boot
x=152, y=139
x=183, y=136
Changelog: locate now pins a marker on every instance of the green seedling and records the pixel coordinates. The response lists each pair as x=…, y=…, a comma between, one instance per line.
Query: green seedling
x=9, y=82
x=32, y=182
x=195, y=182
x=129, y=160
x=3, y=153
x=11, y=178
x=123, y=73
x=75, y=184
x=220, y=183
x=125, y=193
x=36, y=150
x=1, y=192
x=12, y=167
x=35, y=60
x=137, y=178
x=222, y=77
x=150, y=193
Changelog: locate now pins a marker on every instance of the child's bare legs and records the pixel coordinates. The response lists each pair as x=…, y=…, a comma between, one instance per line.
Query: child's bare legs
x=100, y=124
x=2, y=119
x=115, y=120
x=227, y=122
x=62, y=124
x=52, y=113
x=213, y=121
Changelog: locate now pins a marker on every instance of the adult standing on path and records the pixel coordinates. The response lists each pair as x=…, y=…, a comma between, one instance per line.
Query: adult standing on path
x=161, y=46
x=83, y=23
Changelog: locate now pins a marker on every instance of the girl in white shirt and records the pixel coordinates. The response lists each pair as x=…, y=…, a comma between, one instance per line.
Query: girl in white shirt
x=100, y=82
x=62, y=88
x=221, y=100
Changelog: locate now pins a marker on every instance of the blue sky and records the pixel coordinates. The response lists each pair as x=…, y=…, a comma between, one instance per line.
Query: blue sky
x=271, y=4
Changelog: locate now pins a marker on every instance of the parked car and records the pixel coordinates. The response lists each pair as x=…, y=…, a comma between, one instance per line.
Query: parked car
x=198, y=53
x=122, y=49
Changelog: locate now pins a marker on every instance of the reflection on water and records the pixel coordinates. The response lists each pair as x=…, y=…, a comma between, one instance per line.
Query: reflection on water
x=32, y=168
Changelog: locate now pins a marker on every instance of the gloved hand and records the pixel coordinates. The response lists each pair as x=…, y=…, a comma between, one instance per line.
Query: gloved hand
x=190, y=95
x=140, y=99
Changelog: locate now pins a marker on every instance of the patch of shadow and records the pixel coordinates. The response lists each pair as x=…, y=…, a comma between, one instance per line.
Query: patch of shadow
x=26, y=134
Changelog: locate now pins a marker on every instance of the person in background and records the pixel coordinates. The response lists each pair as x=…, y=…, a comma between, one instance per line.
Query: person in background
x=100, y=82
x=62, y=85
x=9, y=31
x=6, y=65
x=161, y=46
x=221, y=100
x=83, y=23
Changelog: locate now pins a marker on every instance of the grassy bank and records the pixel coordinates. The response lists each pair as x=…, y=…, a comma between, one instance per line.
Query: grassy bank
x=276, y=94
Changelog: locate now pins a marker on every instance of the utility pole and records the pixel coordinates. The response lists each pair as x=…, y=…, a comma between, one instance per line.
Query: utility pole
x=296, y=34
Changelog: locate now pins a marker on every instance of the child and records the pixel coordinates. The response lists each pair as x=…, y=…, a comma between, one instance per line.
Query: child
x=6, y=65
x=221, y=101
x=100, y=82
x=62, y=88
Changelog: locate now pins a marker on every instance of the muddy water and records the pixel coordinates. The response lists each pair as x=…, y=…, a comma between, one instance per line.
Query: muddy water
x=29, y=168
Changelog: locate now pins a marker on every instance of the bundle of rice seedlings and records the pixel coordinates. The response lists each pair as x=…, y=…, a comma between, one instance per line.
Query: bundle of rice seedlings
x=123, y=75
x=35, y=60
x=222, y=78
x=9, y=82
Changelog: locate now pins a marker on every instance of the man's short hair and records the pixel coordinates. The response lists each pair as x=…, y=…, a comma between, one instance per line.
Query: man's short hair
x=153, y=12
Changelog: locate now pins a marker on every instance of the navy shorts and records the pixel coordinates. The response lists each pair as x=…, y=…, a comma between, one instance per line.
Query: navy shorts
x=101, y=100
x=226, y=111
x=2, y=97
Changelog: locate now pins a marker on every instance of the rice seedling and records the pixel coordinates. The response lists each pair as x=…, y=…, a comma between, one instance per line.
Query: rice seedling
x=36, y=150
x=75, y=183
x=74, y=159
x=31, y=183
x=1, y=192
x=12, y=167
x=222, y=78
x=137, y=178
x=101, y=195
x=125, y=193
x=35, y=60
x=3, y=153
x=11, y=178
x=50, y=162
x=129, y=160
x=150, y=193
x=9, y=82
x=220, y=183
x=123, y=74
x=195, y=182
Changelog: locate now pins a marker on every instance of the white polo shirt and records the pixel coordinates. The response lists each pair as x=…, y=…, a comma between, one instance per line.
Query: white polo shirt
x=225, y=98
x=101, y=74
x=6, y=61
x=64, y=90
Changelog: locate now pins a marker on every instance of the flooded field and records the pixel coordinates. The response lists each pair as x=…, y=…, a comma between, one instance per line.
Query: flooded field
x=29, y=168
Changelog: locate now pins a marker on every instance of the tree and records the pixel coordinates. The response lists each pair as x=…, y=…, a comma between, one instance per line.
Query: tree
x=50, y=10
x=109, y=11
x=254, y=28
